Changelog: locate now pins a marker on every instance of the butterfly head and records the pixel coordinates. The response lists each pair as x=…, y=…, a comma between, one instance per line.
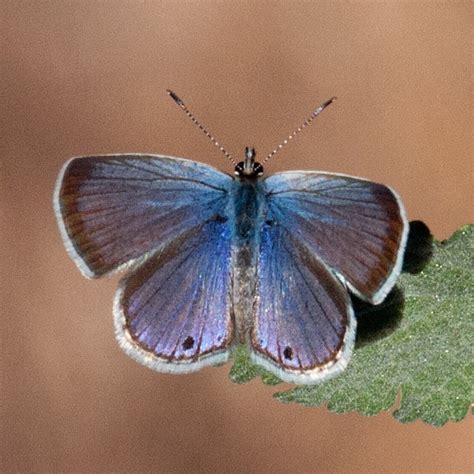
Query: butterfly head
x=249, y=168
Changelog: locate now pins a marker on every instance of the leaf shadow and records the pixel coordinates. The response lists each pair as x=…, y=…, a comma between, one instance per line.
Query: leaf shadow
x=419, y=248
x=376, y=322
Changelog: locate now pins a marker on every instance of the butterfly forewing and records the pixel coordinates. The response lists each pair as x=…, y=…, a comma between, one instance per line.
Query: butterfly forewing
x=358, y=228
x=114, y=209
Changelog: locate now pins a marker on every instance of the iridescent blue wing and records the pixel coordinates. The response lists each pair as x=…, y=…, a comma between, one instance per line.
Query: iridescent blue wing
x=358, y=228
x=303, y=329
x=115, y=210
x=173, y=313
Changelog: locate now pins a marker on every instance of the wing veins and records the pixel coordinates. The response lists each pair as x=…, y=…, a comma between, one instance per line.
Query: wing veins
x=156, y=179
x=154, y=163
x=315, y=202
x=339, y=223
x=140, y=307
x=162, y=333
x=310, y=289
x=313, y=191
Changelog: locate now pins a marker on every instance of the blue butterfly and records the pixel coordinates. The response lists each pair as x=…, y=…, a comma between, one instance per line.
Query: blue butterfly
x=214, y=260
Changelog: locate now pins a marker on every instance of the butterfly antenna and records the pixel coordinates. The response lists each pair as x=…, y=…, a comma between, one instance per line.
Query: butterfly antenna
x=182, y=105
x=300, y=128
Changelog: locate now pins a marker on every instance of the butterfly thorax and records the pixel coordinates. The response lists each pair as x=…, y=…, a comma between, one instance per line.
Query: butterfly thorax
x=248, y=208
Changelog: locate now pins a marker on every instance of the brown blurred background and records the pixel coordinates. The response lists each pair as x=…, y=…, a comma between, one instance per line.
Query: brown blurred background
x=89, y=77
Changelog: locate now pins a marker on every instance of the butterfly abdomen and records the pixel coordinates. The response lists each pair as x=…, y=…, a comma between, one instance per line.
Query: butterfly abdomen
x=248, y=207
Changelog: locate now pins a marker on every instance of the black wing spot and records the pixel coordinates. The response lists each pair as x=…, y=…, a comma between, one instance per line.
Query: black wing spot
x=219, y=219
x=269, y=222
x=188, y=343
x=288, y=353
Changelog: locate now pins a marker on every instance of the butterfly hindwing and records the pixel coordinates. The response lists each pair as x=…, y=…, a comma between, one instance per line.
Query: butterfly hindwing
x=174, y=313
x=114, y=209
x=304, y=325
x=357, y=227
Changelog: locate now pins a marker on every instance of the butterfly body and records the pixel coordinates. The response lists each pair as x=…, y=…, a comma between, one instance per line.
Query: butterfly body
x=248, y=218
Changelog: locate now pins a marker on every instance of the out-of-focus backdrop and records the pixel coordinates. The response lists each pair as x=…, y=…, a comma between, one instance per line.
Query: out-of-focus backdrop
x=89, y=77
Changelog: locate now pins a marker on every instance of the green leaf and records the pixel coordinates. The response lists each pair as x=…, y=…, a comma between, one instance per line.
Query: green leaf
x=243, y=370
x=424, y=355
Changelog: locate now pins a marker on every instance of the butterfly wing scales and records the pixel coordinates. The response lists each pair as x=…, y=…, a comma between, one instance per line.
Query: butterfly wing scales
x=303, y=320
x=113, y=210
x=357, y=227
x=174, y=313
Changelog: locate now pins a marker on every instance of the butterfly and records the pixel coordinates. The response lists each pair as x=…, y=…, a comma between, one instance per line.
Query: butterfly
x=215, y=260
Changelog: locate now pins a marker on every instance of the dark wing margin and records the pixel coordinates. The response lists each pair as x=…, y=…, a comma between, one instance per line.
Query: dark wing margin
x=113, y=210
x=304, y=325
x=357, y=227
x=174, y=313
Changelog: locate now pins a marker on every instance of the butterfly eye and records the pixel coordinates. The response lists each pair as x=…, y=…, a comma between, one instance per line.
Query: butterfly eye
x=269, y=222
x=241, y=171
x=288, y=353
x=188, y=343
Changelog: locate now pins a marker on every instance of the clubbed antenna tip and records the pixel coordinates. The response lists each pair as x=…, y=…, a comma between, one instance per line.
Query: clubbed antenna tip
x=175, y=97
x=325, y=104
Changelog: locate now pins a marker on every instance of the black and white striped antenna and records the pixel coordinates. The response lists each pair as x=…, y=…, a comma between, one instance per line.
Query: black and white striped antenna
x=182, y=105
x=290, y=137
x=300, y=128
